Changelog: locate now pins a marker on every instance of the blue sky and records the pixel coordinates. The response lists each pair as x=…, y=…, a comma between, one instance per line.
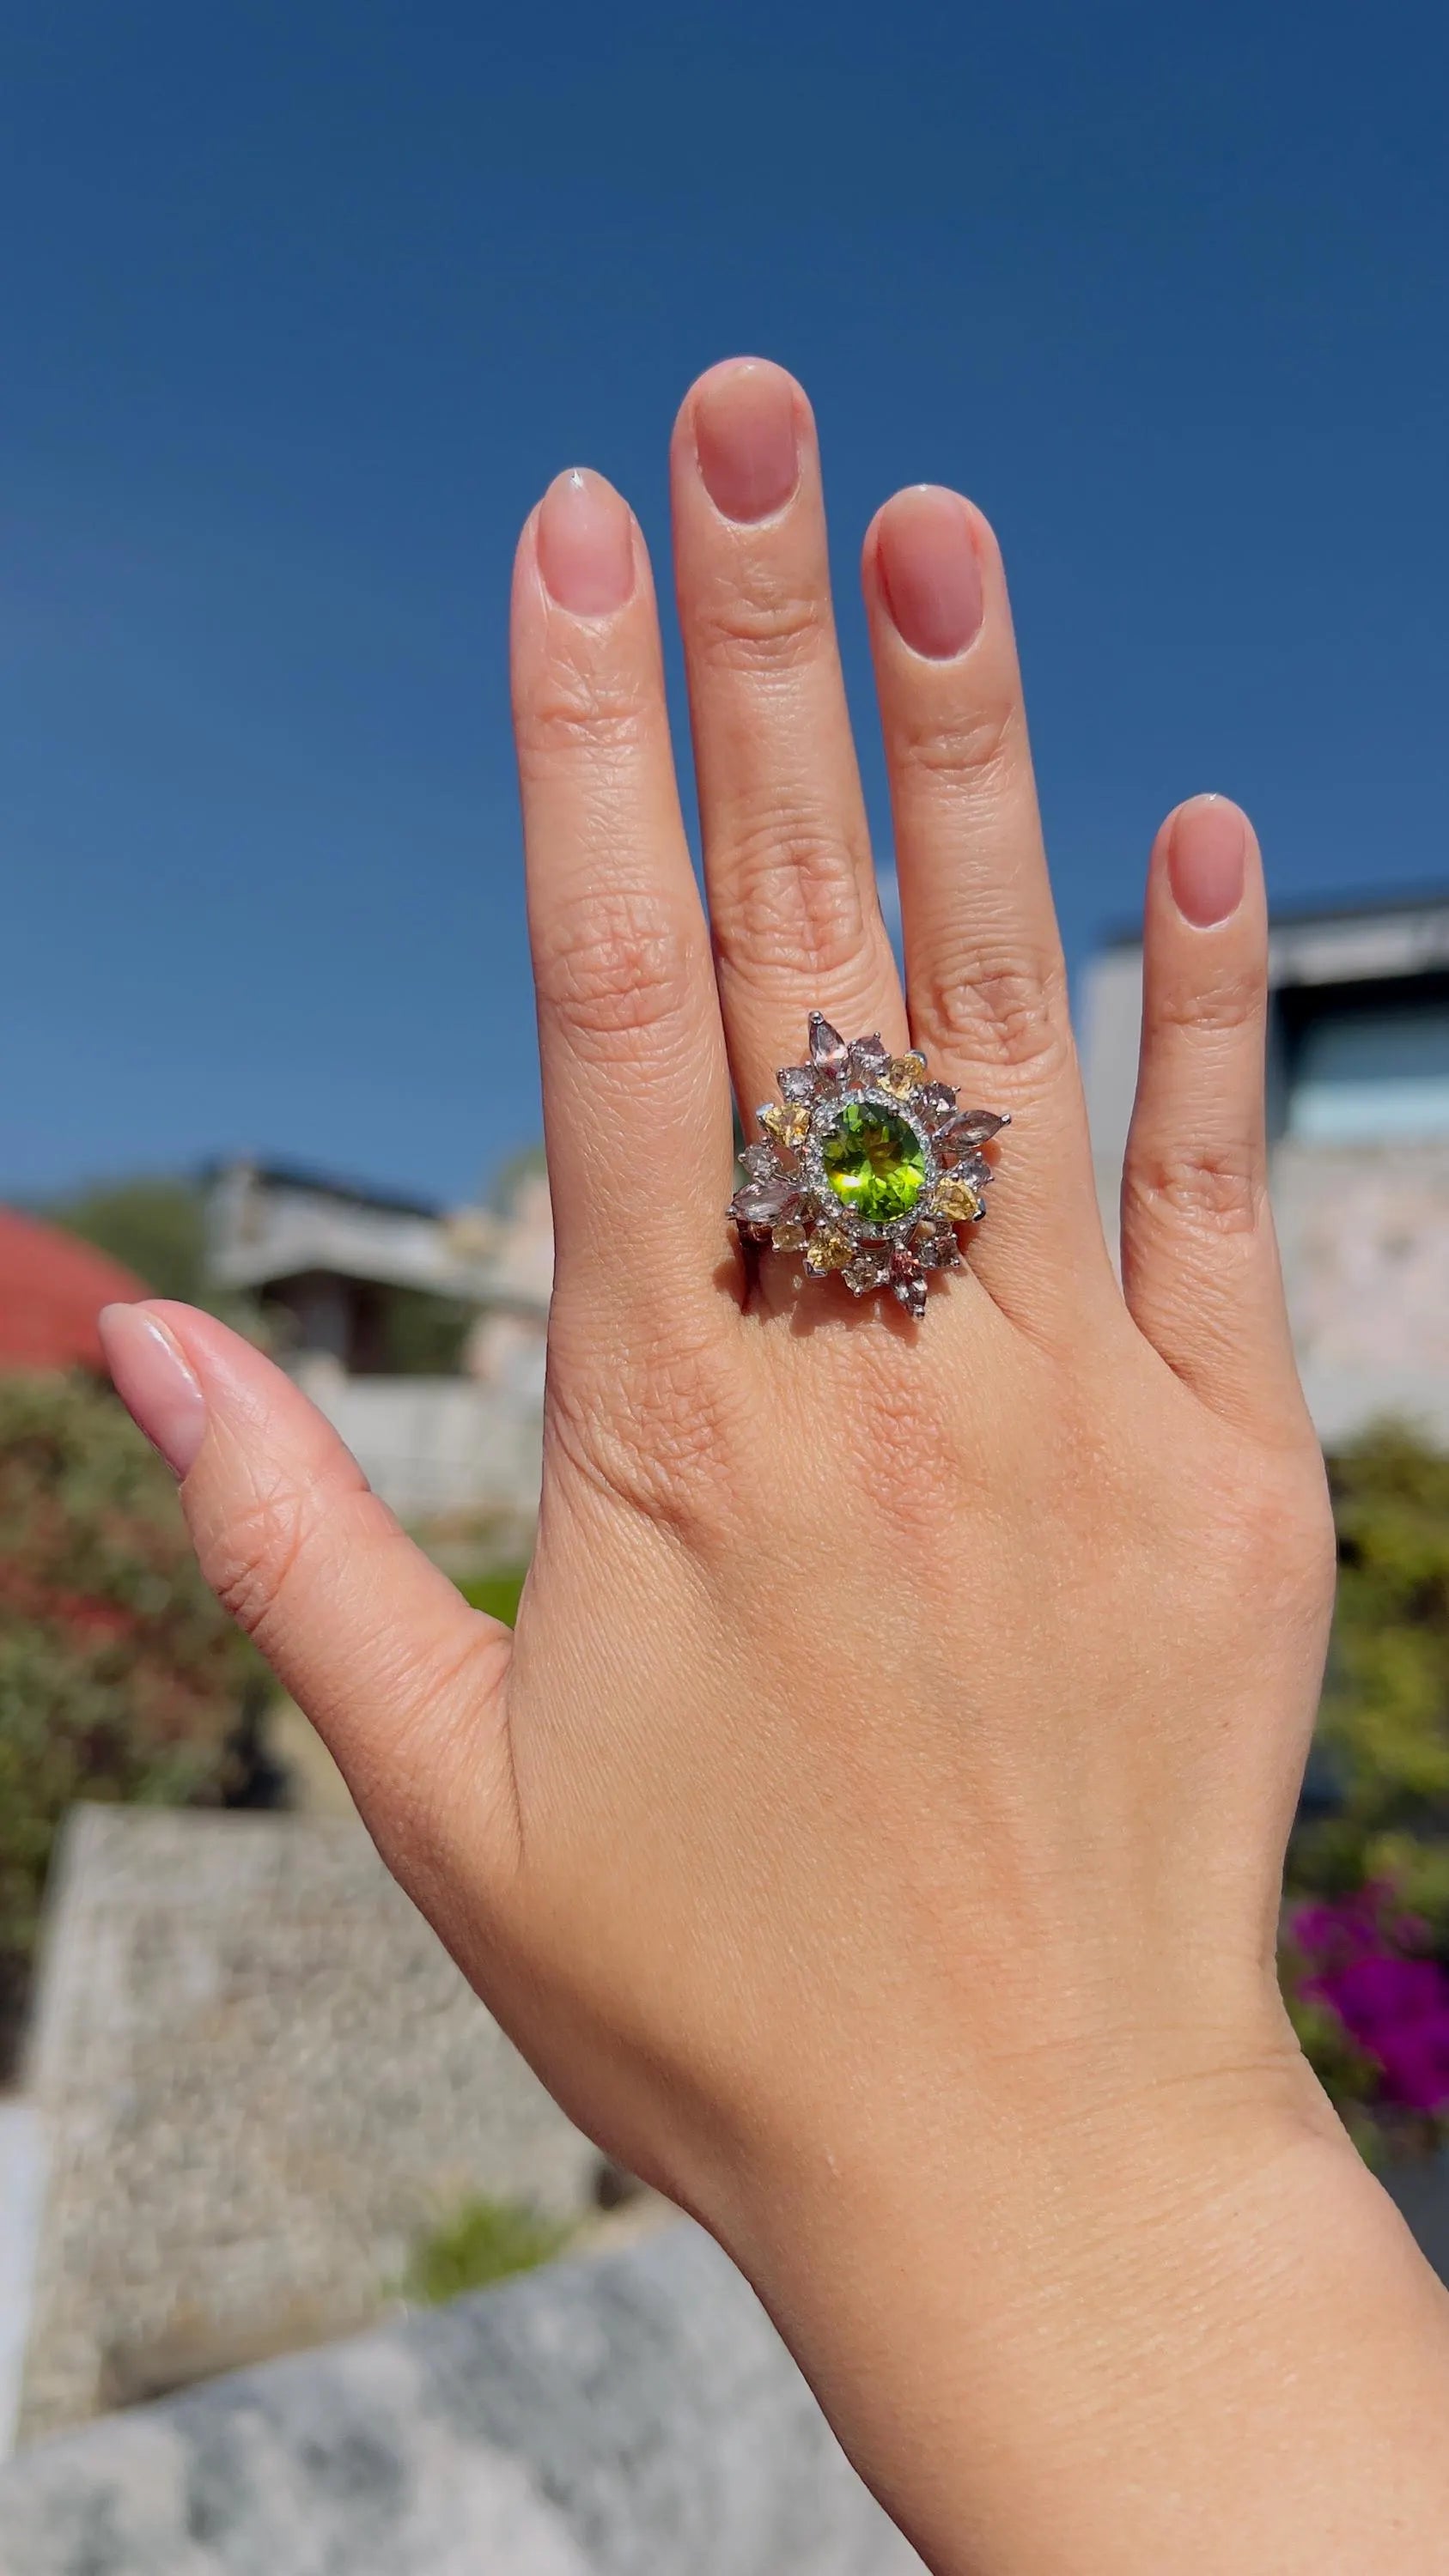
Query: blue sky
x=302, y=304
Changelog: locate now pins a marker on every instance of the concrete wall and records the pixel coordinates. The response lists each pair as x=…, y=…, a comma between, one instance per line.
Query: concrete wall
x=22, y=2190
x=1364, y=1230
x=636, y=2416
x=436, y=1444
x=260, y=2077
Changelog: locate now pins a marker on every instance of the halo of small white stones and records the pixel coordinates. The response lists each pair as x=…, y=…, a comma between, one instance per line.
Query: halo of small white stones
x=786, y=1202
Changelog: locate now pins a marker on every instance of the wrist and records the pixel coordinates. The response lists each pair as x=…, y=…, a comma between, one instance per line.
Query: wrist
x=1037, y=2339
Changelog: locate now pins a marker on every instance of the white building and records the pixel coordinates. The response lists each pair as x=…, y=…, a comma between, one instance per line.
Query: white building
x=330, y=1264
x=1358, y=1089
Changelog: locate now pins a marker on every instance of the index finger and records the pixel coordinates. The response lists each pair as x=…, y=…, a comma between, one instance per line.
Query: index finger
x=635, y=1090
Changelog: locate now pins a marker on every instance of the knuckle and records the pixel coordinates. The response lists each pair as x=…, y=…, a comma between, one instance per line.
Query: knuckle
x=1006, y=1010
x=658, y=1433
x=966, y=749
x=763, y=626
x=788, y=899
x=1233, y=1000
x=578, y=713
x=1219, y=1188
x=256, y=1553
x=615, y=970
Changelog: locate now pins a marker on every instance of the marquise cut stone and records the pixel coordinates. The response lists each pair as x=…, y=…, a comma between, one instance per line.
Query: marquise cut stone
x=972, y=1127
x=766, y=1202
x=827, y=1048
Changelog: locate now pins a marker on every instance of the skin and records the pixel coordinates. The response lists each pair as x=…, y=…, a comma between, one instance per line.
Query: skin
x=873, y=1833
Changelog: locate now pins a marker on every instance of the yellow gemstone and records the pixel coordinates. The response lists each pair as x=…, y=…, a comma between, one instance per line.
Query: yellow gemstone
x=955, y=1199
x=829, y=1248
x=902, y=1075
x=790, y=1125
x=789, y=1236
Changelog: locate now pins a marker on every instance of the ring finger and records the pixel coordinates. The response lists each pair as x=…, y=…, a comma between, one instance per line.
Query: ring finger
x=984, y=969
x=796, y=921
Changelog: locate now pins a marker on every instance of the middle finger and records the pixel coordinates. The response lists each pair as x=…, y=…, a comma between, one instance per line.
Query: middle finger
x=797, y=924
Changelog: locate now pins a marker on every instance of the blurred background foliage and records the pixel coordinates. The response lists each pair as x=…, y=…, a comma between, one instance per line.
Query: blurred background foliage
x=120, y=1677
x=1365, y=1956
x=155, y=1225
x=498, y=1593
x=1383, y=1731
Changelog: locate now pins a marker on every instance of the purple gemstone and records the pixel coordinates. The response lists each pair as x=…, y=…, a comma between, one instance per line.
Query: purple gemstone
x=828, y=1052
x=972, y=1127
x=766, y=1202
x=936, y=1102
x=869, y=1058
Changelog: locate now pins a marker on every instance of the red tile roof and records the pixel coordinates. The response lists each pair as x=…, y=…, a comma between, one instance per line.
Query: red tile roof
x=52, y=1287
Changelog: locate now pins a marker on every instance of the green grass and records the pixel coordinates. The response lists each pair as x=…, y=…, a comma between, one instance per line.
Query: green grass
x=484, y=2241
x=496, y=1593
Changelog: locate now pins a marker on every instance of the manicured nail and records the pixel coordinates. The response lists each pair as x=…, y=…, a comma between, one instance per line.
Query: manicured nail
x=1207, y=860
x=930, y=571
x=585, y=544
x=155, y=1383
x=747, y=438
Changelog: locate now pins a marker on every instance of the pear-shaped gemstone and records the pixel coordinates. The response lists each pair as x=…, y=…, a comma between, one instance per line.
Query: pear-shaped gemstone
x=902, y=1075
x=829, y=1248
x=869, y=1058
x=789, y=1125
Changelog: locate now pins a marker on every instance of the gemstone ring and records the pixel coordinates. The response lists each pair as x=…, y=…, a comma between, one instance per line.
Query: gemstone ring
x=866, y=1167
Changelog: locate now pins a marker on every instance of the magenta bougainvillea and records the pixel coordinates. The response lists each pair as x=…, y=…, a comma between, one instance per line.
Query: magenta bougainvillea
x=1365, y=1960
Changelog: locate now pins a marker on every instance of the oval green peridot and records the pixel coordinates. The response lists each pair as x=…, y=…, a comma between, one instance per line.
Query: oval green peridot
x=875, y=1163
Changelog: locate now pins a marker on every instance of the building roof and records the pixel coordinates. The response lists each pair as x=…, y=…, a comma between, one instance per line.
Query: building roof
x=52, y=1287
x=1396, y=902
x=319, y=1185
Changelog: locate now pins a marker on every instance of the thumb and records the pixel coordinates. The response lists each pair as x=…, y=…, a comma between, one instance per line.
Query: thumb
x=401, y=1678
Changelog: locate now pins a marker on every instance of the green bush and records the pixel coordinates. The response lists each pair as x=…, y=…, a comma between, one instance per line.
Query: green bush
x=1384, y=1722
x=498, y=1594
x=154, y=1225
x=120, y=1676
x=484, y=2241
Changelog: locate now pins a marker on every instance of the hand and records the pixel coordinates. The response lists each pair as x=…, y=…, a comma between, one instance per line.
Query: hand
x=891, y=1770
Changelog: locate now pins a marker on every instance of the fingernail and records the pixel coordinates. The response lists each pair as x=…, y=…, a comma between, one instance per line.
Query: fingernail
x=585, y=545
x=747, y=439
x=929, y=570
x=155, y=1383
x=1207, y=860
